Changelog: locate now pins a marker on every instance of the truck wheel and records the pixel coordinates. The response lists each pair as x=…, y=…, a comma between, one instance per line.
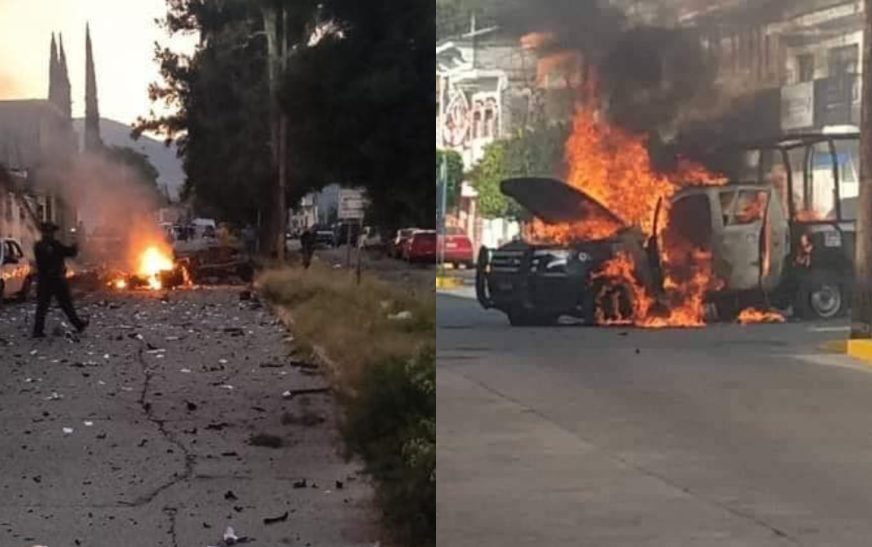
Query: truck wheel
x=482, y=290
x=613, y=301
x=727, y=308
x=821, y=296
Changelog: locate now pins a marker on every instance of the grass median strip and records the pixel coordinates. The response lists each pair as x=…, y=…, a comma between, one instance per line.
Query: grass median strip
x=380, y=338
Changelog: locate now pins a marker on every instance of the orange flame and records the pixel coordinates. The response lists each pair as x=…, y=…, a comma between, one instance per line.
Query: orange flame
x=536, y=40
x=152, y=262
x=614, y=168
x=808, y=216
x=620, y=271
x=752, y=315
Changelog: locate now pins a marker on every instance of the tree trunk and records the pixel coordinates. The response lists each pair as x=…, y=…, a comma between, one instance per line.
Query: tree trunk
x=282, y=182
x=861, y=313
x=281, y=189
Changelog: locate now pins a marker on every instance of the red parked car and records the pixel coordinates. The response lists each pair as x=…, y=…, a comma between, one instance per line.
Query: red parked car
x=396, y=248
x=458, y=248
x=421, y=247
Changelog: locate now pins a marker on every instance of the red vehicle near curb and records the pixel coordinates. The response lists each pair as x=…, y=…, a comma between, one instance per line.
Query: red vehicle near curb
x=458, y=248
x=421, y=247
x=396, y=247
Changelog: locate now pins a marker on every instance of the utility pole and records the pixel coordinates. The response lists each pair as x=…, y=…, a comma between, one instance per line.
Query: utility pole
x=861, y=310
x=277, y=47
x=472, y=34
x=442, y=192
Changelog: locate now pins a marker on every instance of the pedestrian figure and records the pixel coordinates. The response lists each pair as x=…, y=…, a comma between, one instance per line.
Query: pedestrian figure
x=307, y=242
x=249, y=239
x=51, y=279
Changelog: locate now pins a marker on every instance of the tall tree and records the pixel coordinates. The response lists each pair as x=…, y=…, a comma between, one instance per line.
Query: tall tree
x=92, y=112
x=365, y=98
x=357, y=94
x=455, y=174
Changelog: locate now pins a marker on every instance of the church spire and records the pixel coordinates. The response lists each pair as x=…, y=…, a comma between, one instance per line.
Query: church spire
x=53, y=71
x=64, y=98
x=92, y=114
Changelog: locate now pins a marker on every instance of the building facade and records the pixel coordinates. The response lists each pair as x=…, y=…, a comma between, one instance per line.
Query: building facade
x=808, y=52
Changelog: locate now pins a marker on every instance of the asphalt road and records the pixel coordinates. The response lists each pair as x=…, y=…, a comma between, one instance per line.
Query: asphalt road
x=728, y=435
x=141, y=432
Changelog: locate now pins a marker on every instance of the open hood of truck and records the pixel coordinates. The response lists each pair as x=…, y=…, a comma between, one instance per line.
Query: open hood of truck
x=555, y=202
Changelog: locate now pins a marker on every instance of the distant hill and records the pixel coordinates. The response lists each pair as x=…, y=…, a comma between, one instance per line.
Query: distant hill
x=164, y=158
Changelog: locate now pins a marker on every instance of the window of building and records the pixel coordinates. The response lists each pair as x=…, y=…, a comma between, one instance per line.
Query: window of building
x=805, y=67
x=476, y=124
x=844, y=60
x=488, y=122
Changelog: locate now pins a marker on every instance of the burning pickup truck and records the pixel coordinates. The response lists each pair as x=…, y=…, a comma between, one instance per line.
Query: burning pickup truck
x=535, y=283
x=718, y=251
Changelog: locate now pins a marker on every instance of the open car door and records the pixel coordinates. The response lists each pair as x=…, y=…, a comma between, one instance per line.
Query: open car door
x=652, y=250
x=741, y=242
x=774, y=244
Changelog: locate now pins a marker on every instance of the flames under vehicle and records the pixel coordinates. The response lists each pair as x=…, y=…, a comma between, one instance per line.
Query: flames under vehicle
x=785, y=238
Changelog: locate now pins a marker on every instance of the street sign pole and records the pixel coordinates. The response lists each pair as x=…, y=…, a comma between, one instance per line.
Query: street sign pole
x=443, y=201
x=359, y=250
x=348, y=250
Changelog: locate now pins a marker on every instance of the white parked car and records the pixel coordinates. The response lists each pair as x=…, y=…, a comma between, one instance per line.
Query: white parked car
x=16, y=270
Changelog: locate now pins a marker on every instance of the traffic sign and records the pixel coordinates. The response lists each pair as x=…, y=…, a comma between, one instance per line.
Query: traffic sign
x=351, y=204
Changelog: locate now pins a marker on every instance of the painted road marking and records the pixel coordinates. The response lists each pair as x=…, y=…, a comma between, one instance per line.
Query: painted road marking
x=830, y=329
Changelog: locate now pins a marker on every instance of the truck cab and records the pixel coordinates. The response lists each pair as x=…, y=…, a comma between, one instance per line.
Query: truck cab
x=814, y=178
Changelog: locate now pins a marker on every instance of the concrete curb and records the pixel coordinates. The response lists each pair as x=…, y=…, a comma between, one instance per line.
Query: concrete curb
x=320, y=353
x=860, y=349
x=448, y=282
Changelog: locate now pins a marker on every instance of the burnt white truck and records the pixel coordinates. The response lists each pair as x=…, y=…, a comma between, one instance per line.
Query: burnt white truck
x=783, y=237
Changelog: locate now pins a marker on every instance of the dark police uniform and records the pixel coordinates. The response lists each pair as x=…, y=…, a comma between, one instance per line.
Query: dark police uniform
x=307, y=242
x=52, y=282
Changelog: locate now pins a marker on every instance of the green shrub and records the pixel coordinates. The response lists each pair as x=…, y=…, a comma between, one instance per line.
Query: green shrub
x=392, y=424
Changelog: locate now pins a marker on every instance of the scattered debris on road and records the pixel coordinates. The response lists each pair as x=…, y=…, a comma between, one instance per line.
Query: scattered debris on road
x=273, y=520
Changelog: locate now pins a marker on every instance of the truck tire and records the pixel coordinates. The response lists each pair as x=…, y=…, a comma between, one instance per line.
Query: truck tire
x=727, y=308
x=619, y=298
x=482, y=291
x=821, y=295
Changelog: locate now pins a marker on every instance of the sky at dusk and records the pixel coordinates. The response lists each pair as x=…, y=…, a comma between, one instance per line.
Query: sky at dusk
x=123, y=33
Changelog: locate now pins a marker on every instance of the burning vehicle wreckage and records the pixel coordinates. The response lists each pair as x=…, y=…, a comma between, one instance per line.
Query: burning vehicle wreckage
x=619, y=244
x=157, y=266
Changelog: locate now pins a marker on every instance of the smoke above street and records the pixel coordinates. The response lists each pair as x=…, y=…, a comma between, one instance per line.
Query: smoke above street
x=651, y=80
x=109, y=197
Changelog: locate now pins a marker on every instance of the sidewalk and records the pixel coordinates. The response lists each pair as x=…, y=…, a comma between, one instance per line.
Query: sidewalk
x=165, y=424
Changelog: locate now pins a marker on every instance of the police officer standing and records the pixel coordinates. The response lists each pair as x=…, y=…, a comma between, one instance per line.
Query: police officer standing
x=51, y=279
x=307, y=242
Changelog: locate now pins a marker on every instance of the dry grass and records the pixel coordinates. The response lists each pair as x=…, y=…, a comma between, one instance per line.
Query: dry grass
x=351, y=322
x=385, y=372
